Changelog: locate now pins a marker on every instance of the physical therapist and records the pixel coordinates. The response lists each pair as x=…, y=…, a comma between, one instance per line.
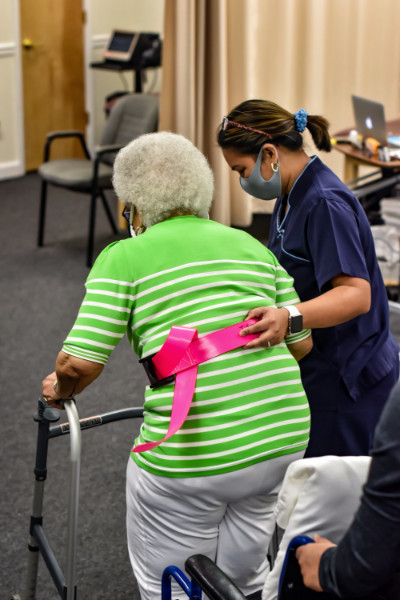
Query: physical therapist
x=321, y=235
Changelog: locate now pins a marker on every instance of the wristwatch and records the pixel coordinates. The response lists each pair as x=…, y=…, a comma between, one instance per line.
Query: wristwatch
x=295, y=320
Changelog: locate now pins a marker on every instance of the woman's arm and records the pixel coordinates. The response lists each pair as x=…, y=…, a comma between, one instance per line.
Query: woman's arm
x=348, y=298
x=300, y=349
x=72, y=375
x=368, y=555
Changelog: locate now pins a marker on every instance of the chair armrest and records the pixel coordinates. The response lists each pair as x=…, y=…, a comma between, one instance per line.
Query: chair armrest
x=291, y=581
x=101, y=150
x=53, y=135
x=64, y=133
x=211, y=579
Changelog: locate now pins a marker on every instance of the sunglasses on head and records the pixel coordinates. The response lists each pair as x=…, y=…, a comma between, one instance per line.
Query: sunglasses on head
x=227, y=122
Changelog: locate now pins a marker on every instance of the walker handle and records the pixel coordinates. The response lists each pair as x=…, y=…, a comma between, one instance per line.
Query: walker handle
x=75, y=435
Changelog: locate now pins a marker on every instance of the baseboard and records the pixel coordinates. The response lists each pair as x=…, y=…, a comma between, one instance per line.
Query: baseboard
x=11, y=170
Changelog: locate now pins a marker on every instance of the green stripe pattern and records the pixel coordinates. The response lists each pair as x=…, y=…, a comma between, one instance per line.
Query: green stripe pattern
x=249, y=405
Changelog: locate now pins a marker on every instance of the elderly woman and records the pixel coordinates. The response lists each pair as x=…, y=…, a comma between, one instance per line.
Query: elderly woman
x=211, y=484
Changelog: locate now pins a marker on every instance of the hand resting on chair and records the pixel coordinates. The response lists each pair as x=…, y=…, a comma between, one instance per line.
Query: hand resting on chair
x=309, y=557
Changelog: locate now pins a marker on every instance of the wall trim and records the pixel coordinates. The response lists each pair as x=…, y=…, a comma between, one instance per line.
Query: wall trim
x=8, y=49
x=19, y=91
x=10, y=170
x=100, y=40
x=88, y=73
x=15, y=168
x=91, y=43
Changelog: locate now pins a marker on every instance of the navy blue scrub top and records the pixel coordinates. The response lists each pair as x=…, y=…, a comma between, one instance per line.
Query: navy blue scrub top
x=324, y=233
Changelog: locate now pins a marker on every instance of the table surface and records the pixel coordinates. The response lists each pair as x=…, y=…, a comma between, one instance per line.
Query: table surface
x=113, y=66
x=353, y=153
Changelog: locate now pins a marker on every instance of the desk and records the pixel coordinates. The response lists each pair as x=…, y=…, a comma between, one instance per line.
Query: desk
x=121, y=66
x=354, y=157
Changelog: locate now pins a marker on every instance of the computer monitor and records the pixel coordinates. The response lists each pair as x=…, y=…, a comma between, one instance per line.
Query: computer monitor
x=138, y=50
x=121, y=46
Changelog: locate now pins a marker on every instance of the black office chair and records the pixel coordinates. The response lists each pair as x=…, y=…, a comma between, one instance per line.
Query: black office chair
x=131, y=116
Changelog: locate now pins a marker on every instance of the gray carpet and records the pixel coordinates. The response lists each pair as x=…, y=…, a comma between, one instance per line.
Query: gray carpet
x=41, y=290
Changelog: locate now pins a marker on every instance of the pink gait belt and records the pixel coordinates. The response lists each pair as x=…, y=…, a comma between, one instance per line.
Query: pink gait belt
x=179, y=356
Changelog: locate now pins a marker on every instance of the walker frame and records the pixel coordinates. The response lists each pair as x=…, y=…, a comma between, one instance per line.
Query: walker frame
x=38, y=543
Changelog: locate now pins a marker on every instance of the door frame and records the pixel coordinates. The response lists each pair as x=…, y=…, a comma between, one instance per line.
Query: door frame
x=87, y=74
x=17, y=168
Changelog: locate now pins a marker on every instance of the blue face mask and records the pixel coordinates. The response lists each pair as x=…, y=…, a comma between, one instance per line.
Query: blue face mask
x=257, y=186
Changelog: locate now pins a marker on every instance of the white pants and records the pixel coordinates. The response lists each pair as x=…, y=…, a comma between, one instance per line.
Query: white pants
x=229, y=518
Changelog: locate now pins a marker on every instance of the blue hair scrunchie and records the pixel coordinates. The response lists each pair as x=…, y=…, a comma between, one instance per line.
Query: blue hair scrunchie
x=301, y=119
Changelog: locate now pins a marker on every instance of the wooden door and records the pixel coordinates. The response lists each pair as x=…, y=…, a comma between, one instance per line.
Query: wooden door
x=53, y=75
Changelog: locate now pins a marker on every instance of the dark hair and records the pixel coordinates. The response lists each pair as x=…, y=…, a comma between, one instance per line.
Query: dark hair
x=273, y=124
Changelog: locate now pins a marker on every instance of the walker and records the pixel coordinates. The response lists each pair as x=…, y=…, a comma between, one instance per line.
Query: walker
x=38, y=543
x=205, y=575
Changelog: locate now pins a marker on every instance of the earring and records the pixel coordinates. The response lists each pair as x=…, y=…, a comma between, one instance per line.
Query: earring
x=275, y=167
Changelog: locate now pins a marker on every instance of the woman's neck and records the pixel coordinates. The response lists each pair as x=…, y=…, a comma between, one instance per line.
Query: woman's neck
x=292, y=163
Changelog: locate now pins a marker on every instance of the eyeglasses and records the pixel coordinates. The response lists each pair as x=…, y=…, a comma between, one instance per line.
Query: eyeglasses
x=226, y=122
x=126, y=213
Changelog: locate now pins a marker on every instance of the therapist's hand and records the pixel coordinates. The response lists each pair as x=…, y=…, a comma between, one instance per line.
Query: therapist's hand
x=309, y=557
x=272, y=324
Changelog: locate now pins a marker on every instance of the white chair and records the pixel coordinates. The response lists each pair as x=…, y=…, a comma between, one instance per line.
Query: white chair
x=318, y=495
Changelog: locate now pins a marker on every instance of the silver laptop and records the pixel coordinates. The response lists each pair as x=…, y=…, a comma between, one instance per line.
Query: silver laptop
x=369, y=117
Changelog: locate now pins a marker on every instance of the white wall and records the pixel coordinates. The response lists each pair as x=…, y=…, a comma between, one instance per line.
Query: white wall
x=11, y=109
x=148, y=15
x=102, y=17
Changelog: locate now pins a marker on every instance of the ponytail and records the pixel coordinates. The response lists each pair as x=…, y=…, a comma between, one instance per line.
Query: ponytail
x=255, y=122
x=318, y=127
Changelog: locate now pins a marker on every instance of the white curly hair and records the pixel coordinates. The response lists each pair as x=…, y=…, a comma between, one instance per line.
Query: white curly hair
x=163, y=174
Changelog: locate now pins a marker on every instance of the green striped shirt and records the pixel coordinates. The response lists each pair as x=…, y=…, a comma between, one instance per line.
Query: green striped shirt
x=249, y=405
